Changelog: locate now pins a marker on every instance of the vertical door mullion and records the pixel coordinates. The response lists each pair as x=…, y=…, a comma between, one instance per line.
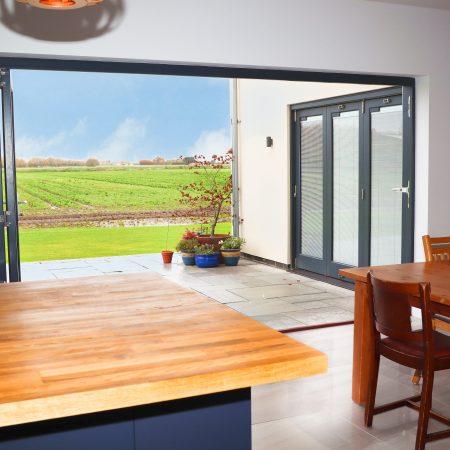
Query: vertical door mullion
x=3, y=275
x=327, y=189
x=296, y=188
x=408, y=175
x=10, y=179
x=364, y=186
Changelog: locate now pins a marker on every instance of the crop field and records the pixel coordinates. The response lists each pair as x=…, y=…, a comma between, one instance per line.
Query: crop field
x=115, y=189
x=79, y=212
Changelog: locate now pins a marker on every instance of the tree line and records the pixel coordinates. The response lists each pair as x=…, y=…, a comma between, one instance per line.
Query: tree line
x=56, y=162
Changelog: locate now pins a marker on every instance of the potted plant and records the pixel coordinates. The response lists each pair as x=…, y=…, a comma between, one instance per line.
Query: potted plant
x=166, y=254
x=231, y=250
x=210, y=194
x=206, y=256
x=186, y=246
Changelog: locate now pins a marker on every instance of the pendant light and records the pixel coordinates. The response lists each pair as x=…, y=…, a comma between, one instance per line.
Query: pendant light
x=60, y=4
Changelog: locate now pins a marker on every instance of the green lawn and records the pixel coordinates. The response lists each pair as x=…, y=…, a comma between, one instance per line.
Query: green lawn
x=70, y=243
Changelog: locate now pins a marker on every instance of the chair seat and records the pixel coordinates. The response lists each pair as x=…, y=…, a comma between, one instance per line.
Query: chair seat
x=411, y=354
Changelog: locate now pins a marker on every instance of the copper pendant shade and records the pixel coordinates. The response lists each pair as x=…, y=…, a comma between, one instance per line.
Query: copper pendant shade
x=60, y=4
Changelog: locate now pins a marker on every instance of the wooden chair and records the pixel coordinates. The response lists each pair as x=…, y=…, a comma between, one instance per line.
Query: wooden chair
x=436, y=249
x=424, y=349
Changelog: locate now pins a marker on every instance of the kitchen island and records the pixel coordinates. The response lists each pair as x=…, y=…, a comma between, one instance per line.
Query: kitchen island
x=133, y=362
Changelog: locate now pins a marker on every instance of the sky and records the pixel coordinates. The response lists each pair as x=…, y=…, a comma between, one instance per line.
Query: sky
x=119, y=117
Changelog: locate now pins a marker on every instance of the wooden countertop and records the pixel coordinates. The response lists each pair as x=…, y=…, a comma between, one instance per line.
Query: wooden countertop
x=85, y=345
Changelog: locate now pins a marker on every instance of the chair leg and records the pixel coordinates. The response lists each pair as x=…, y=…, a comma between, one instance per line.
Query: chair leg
x=373, y=380
x=416, y=377
x=425, y=406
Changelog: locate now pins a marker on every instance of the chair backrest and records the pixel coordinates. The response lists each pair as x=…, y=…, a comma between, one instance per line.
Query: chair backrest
x=391, y=309
x=437, y=248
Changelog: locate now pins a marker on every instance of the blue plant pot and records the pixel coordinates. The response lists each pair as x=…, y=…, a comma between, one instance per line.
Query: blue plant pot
x=206, y=261
x=188, y=259
x=231, y=257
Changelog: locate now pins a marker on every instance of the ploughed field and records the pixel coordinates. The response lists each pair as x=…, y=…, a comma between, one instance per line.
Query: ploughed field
x=105, y=211
x=103, y=196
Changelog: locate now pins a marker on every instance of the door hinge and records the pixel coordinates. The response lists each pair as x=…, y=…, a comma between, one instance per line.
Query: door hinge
x=362, y=106
x=4, y=219
x=409, y=106
x=363, y=194
x=2, y=74
x=295, y=190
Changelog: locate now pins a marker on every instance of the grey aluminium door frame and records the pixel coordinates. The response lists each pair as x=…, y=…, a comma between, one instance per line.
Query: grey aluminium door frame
x=10, y=214
x=328, y=267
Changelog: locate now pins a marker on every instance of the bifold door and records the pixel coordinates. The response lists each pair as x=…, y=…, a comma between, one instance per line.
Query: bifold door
x=9, y=245
x=352, y=182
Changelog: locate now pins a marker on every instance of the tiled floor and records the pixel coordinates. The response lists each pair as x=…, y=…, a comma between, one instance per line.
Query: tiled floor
x=318, y=413
x=275, y=297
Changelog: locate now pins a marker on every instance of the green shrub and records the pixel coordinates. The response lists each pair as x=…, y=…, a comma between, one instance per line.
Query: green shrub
x=205, y=249
x=187, y=245
x=232, y=243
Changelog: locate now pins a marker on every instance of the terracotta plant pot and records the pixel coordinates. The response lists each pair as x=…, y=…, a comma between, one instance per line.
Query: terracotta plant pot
x=214, y=240
x=167, y=256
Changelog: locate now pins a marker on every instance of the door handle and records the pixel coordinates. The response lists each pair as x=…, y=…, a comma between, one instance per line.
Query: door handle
x=403, y=190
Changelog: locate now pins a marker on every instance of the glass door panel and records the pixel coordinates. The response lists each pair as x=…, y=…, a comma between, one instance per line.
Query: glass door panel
x=386, y=135
x=311, y=186
x=353, y=170
x=346, y=187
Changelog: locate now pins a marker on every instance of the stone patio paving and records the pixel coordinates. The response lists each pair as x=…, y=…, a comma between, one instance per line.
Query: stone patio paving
x=280, y=299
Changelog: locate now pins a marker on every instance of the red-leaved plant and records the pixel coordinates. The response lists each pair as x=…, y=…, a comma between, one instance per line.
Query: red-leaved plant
x=188, y=234
x=211, y=193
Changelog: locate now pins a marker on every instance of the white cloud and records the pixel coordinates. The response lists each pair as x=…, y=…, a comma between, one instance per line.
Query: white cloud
x=30, y=146
x=122, y=143
x=212, y=142
x=80, y=127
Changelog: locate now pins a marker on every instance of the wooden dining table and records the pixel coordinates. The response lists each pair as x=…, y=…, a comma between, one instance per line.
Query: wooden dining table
x=436, y=273
x=132, y=362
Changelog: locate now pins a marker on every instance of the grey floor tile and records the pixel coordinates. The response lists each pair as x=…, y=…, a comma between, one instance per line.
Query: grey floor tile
x=219, y=294
x=259, y=309
x=274, y=291
x=284, y=278
x=347, y=303
x=318, y=296
x=76, y=273
x=278, y=321
x=310, y=305
x=330, y=314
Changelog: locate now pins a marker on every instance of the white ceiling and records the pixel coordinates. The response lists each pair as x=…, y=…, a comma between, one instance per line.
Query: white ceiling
x=437, y=4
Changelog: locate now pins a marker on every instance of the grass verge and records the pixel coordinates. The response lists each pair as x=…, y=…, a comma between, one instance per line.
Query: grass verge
x=71, y=243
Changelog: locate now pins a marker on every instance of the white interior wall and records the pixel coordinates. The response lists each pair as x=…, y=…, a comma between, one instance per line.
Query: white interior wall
x=264, y=173
x=326, y=35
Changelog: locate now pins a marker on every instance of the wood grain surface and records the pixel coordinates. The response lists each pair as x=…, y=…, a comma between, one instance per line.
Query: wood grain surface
x=437, y=273
x=92, y=344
